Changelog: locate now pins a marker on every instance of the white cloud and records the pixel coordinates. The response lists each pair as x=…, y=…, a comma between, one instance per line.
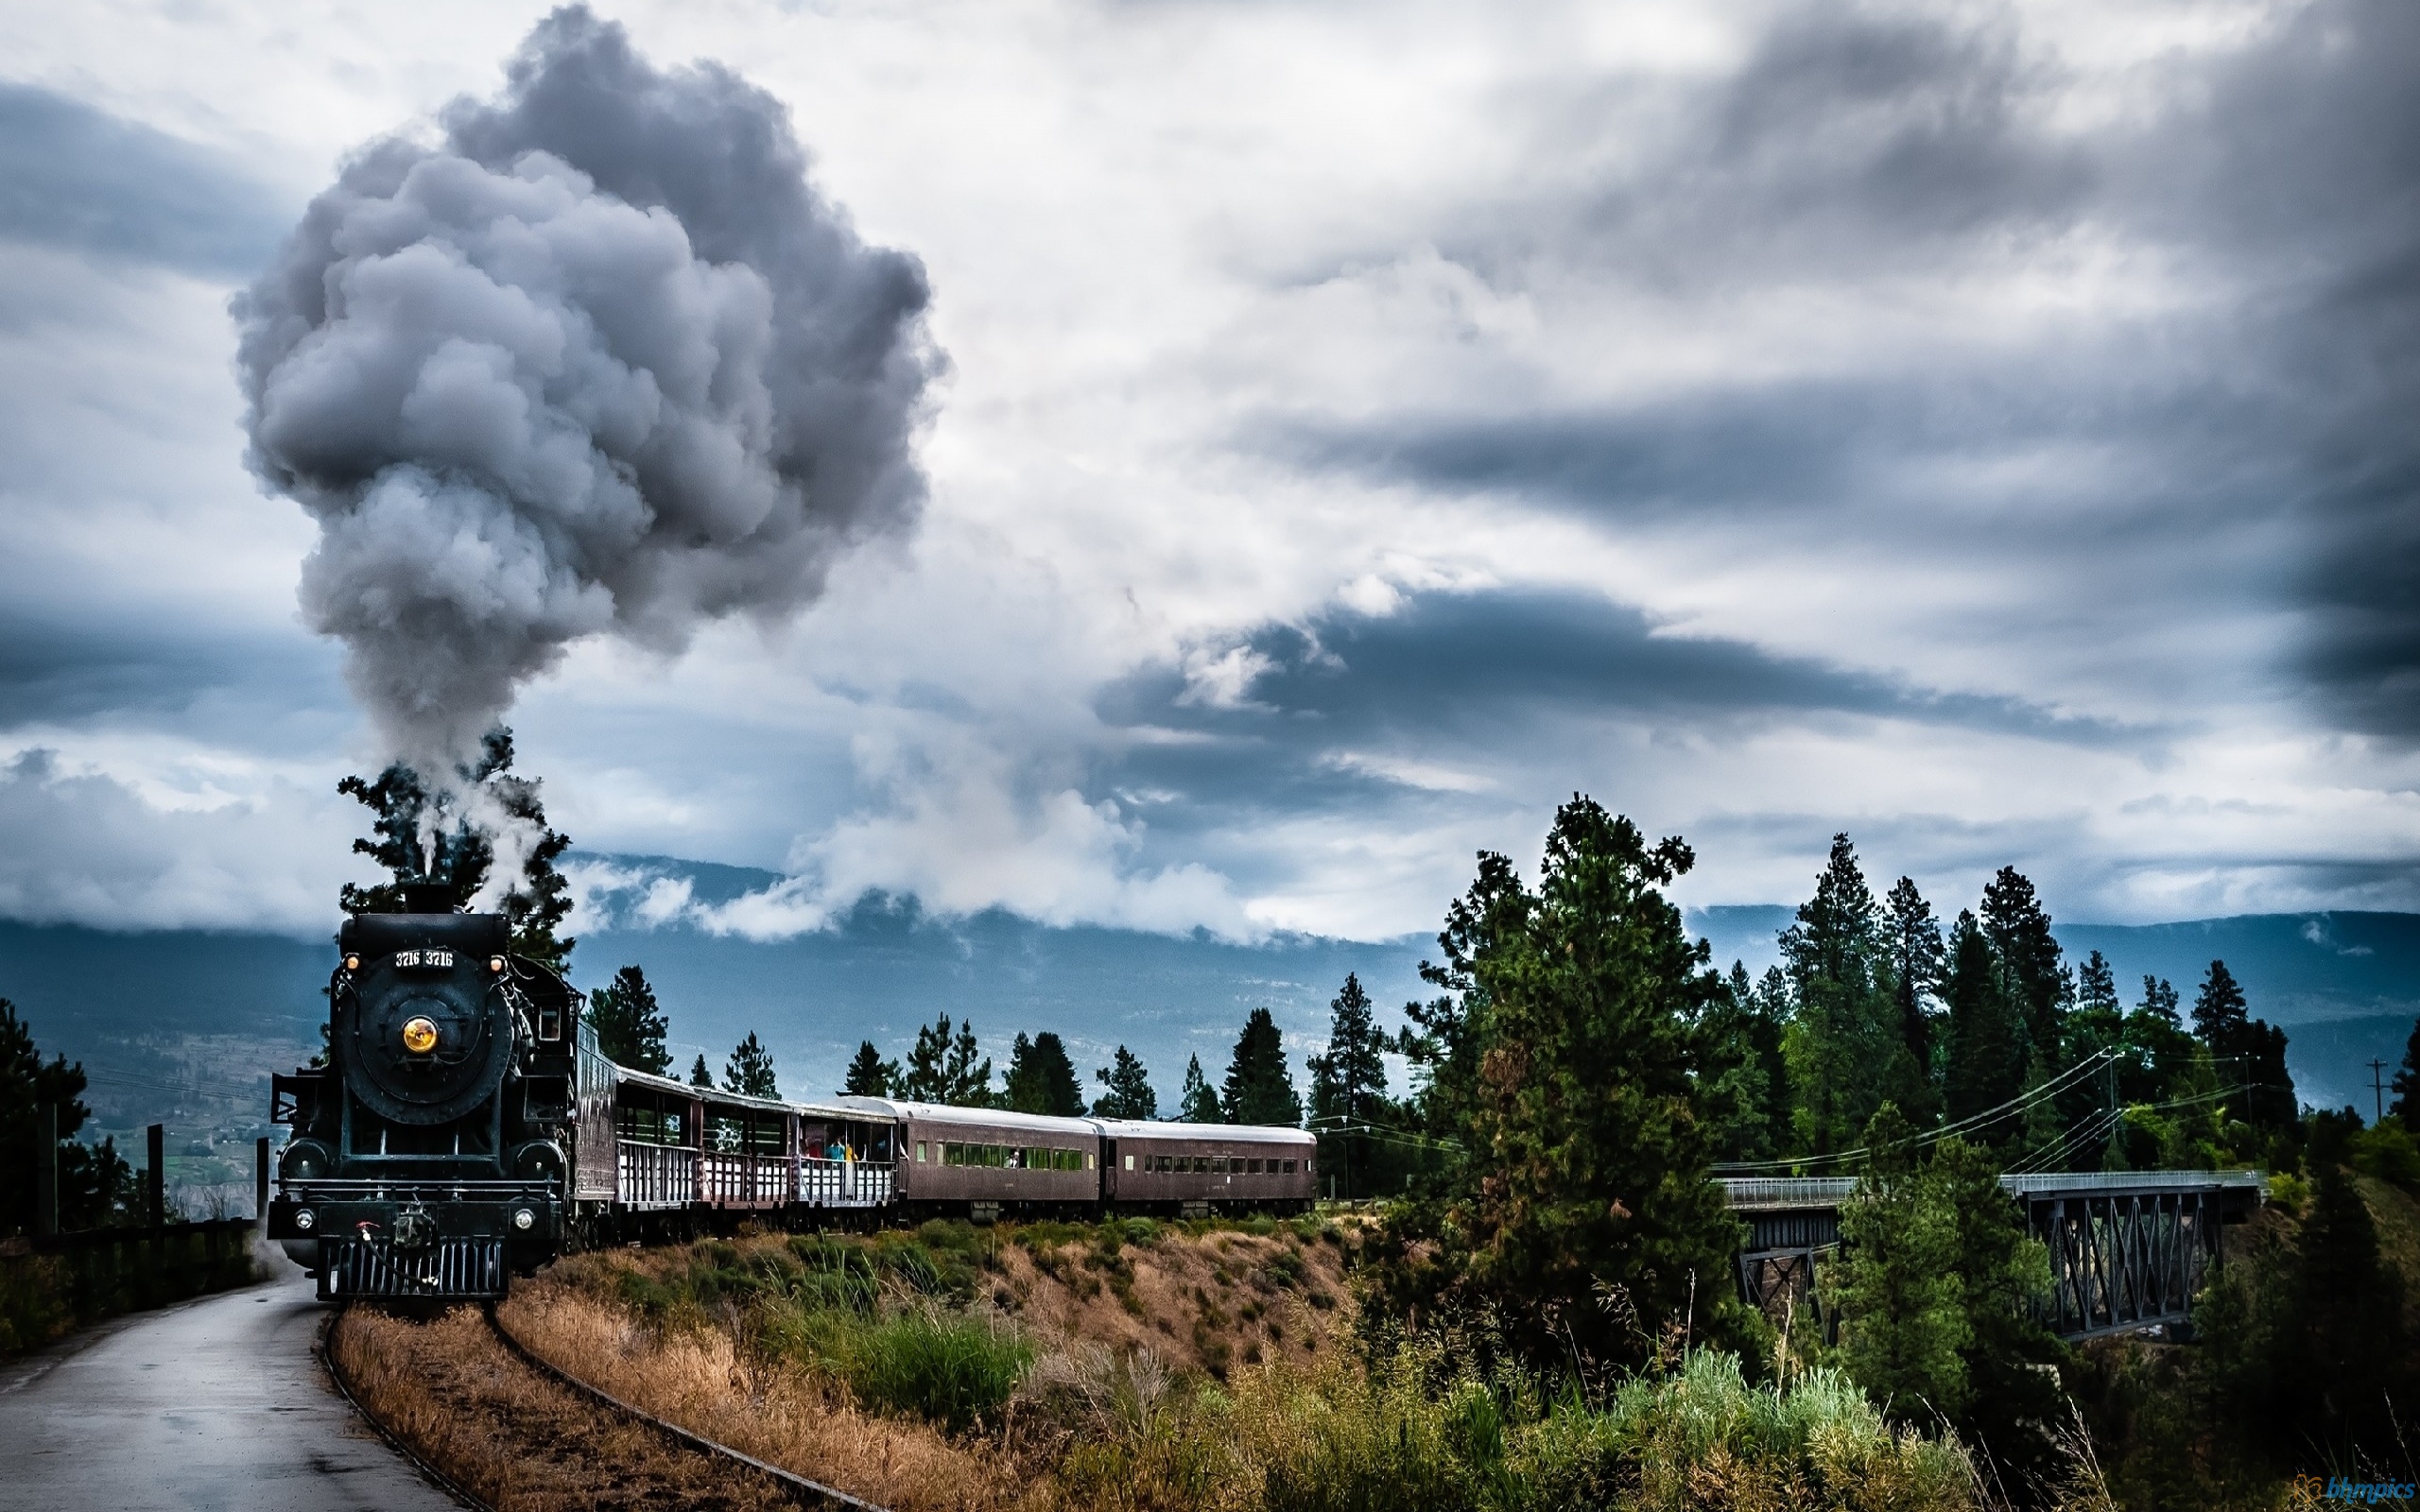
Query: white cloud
x=80, y=847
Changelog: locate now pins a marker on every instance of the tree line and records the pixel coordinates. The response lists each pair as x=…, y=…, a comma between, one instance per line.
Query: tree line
x=1986, y=1029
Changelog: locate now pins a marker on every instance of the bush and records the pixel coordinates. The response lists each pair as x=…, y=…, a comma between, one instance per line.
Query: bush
x=955, y=1370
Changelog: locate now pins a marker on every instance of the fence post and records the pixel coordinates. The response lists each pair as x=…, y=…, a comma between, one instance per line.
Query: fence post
x=47, y=1170
x=155, y=1179
x=260, y=1183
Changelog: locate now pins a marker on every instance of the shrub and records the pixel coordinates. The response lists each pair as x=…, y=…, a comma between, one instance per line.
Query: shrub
x=954, y=1370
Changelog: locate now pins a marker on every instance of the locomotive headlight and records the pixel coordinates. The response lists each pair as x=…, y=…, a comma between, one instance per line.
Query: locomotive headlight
x=495, y=964
x=523, y=1218
x=353, y=963
x=304, y=1219
x=420, y=1036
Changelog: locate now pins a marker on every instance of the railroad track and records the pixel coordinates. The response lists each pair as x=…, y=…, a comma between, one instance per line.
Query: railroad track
x=803, y=1491
x=794, y=1488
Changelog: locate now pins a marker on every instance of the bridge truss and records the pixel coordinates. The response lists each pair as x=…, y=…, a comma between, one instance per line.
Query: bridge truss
x=2128, y=1248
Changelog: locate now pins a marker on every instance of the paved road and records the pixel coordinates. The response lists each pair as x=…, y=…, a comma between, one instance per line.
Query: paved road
x=214, y=1403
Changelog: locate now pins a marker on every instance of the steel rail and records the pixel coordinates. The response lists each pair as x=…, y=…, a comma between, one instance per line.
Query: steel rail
x=808, y=1493
x=343, y=1384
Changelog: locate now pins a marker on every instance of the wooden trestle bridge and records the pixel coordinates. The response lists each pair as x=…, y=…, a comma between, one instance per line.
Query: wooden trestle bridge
x=2128, y=1248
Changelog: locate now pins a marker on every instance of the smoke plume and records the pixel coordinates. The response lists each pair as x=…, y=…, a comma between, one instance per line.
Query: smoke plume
x=603, y=362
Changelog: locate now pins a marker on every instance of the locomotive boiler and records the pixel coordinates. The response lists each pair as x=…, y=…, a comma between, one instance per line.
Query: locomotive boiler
x=427, y=1156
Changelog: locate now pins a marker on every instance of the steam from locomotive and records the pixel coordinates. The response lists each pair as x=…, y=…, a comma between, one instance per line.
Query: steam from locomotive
x=600, y=363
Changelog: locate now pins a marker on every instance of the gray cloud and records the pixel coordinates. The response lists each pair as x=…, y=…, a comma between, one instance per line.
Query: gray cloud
x=604, y=363
x=78, y=178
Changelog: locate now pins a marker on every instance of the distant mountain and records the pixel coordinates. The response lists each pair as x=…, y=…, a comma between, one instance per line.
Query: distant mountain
x=186, y=1026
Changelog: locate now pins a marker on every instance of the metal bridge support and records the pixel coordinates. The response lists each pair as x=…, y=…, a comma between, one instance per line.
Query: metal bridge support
x=2120, y=1260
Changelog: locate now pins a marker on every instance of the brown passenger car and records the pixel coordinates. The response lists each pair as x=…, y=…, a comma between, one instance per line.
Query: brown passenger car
x=984, y=1161
x=1203, y=1168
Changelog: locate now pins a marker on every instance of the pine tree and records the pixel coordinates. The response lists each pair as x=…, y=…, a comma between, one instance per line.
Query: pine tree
x=2407, y=1084
x=1042, y=1079
x=1738, y=1122
x=1985, y=1067
x=700, y=1075
x=1896, y=1288
x=430, y=835
x=942, y=1067
x=629, y=1025
x=95, y=1183
x=1912, y=953
x=1582, y=1009
x=1130, y=1093
x=869, y=1074
x=1349, y=1085
x=2010, y=1359
x=1842, y=1035
x=749, y=1070
x=2219, y=1016
x=1259, y=1090
x=1199, y=1101
x=969, y=1080
x=2032, y=976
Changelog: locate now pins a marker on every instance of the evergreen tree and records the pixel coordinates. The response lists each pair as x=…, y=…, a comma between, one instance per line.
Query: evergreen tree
x=1199, y=1101
x=1042, y=1079
x=1917, y=969
x=629, y=1025
x=870, y=1076
x=1349, y=1086
x=942, y=1067
x=2095, y=1027
x=700, y=1075
x=1985, y=1065
x=2027, y=958
x=1567, y=1059
x=2219, y=1016
x=96, y=1185
x=2406, y=1107
x=1843, y=1034
x=1130, y=1093
x=431, y=835
x=1259, y=1090
x=2009, y=1359
x=2160, y=1052
x=749, y=1070
x=1896, y=1288
x=1740, y=1120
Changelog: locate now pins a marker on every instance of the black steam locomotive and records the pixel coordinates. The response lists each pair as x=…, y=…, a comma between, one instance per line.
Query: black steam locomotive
x=427, y=1156
x=466, y=1129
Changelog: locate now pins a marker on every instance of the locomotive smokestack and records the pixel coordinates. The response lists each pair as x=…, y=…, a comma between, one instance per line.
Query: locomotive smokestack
x=603, y=363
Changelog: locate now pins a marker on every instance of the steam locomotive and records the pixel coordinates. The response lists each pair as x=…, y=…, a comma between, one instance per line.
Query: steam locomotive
x=467, y=1129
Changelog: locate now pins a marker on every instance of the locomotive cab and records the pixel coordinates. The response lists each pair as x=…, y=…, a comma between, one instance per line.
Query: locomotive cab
x=427, y=1157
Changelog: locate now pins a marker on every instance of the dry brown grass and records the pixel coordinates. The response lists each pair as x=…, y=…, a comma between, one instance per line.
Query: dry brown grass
x=701, y=1379
x=1209, y=1302
x=519, y=1441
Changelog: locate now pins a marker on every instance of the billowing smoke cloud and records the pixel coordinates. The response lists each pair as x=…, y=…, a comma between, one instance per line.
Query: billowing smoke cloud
x=601, y=363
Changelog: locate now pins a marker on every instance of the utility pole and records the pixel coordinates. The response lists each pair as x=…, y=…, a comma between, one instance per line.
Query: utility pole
x=2378, y=1091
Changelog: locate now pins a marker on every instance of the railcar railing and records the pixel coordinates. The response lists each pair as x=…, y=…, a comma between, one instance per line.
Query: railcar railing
x=656, y=1175
x=843, y=1183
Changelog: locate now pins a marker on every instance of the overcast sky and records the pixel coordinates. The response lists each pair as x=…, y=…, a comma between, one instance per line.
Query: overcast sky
x=1992, y=432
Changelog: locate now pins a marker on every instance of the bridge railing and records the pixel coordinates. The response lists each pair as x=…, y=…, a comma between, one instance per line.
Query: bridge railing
x=1831, y=1191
